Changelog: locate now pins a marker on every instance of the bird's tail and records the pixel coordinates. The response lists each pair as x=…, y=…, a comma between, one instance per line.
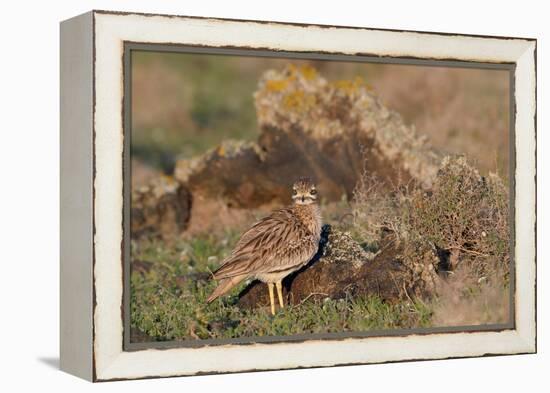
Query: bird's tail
x=223, y=287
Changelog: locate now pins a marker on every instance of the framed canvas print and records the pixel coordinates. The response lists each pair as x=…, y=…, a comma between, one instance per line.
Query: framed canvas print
x=246, y=195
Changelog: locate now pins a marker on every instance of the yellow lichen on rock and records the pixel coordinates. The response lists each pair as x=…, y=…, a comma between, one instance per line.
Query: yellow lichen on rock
x=299, y=101
x=276, y=85
x=308, y=72
x=300, y=97
x=350, y=87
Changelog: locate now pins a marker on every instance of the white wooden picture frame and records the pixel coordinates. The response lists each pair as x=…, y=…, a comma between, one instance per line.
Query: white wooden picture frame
x=92, y=189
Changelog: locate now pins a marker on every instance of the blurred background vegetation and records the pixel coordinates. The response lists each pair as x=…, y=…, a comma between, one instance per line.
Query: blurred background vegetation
x=183, y=104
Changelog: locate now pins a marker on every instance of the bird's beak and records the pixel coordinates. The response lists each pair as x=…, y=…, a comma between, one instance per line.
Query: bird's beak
x=303, y=198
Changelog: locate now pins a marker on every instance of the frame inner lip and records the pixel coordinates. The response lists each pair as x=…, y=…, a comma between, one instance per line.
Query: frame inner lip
x=130, y=46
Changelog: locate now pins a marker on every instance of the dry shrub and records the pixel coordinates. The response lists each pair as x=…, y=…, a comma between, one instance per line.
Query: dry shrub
x=462, y=219
x=376, y=209
x=453, y=239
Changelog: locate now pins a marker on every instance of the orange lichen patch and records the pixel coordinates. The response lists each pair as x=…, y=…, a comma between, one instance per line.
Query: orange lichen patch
x=320, y=108
x=277, y=85
x=299, y=101
x=308, y=72
x=349, y=87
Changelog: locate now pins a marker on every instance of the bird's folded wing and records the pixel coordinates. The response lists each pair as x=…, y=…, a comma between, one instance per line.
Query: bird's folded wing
x=276, y=243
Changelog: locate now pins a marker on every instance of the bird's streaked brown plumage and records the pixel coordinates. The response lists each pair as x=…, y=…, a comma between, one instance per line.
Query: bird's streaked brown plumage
x=275, y=246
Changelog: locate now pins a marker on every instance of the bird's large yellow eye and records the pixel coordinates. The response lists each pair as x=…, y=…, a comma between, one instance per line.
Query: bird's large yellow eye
x=313, y=192
x=294, y=192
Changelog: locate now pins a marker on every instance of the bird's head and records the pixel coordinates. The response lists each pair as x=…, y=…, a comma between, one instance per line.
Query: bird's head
x=304, y=191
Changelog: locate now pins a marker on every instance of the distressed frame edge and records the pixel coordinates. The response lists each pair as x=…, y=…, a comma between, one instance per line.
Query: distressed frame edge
x=525, y=338
x=525, y=189
x=304, y=24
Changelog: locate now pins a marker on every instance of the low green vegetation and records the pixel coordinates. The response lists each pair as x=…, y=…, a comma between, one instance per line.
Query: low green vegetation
x=169, y=286
x=453, y=238
x=458, y=229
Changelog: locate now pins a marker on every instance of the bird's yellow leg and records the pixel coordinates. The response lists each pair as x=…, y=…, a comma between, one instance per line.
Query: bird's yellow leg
x=280, y=294
x=271, y=297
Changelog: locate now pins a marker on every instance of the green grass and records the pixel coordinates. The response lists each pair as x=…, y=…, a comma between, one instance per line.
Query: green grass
x=168, y=300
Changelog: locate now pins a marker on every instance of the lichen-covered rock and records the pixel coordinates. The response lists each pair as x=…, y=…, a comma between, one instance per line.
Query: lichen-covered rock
x=331, y=131
x=235, y=172
x=340, y=111
x=160, y=208
x=343, y=268
x=339, y=247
